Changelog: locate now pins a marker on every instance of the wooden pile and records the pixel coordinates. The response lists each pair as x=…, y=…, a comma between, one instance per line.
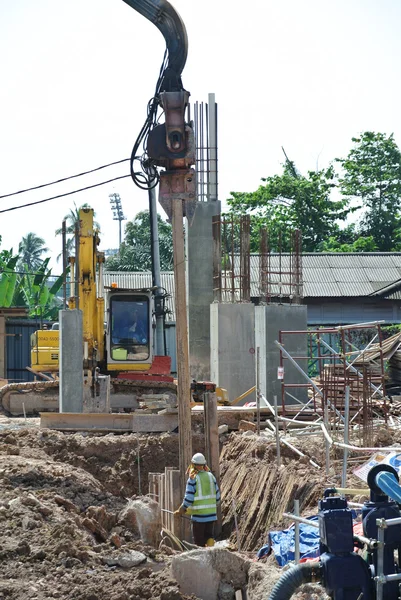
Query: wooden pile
x=164, y=488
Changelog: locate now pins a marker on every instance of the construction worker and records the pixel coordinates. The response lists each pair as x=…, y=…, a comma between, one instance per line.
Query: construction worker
x=200, y=501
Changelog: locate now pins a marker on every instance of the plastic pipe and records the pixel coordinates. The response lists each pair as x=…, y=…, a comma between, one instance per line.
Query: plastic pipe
x=389, y=485
x=290, y=581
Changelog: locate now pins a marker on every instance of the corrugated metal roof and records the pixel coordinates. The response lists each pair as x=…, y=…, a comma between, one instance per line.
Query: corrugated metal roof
x=317, y=289
x=324, y=275
x=394, y=295
x=380, y=261
x=346, y=275
x=138, y=280
x=357, y=288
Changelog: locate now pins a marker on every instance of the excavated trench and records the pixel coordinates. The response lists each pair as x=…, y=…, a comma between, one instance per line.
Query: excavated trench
x=63, y=497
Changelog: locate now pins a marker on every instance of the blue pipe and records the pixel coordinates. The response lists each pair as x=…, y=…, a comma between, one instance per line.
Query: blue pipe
x=389, y=485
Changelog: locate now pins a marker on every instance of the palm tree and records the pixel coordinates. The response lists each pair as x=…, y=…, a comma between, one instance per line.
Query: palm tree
x=30, y=249
x=71, y=219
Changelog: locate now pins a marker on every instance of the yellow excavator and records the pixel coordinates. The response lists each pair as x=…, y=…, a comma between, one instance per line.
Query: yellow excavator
x=117, y=329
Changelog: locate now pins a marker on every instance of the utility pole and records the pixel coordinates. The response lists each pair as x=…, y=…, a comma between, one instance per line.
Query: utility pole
x=118, y=214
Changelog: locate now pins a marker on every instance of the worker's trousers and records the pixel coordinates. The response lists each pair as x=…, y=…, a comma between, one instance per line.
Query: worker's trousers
x=201, y=532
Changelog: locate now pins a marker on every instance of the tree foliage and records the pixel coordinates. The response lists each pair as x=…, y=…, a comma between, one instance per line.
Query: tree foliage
x=291, y=201
x=135, y=253
x=372, y=174
x=319, y=203
x=30, y=250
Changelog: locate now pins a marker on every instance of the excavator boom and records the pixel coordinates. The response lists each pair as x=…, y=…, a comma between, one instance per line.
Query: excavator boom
x=164, y=16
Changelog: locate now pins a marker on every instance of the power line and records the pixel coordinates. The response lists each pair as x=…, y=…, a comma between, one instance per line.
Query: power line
x=63, y=195
x=37, y=187
x=8, y=272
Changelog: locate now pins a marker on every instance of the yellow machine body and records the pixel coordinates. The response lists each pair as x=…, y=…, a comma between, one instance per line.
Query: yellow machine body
x=128, y=331
x=45, y=350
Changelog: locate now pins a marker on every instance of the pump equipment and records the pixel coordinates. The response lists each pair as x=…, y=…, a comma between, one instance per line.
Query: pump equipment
x=345, y=574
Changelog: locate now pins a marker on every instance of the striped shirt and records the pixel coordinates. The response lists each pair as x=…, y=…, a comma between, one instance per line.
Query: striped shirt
x=189, y=498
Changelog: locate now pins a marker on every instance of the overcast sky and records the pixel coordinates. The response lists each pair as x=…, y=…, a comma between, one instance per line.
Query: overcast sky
x=76, y=77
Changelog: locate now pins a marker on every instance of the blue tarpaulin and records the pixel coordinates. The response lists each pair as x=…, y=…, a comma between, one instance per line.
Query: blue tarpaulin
x=283, y=543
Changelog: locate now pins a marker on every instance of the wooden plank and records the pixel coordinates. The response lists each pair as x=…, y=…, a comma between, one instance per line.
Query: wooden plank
x=108, y=422
x=184, y=381
x=162, y=489
x=213, y=451
x=176, y=499
x=169, y=497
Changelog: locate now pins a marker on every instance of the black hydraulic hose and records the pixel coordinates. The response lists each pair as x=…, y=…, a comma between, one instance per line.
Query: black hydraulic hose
x=290, y=581
x=162, y=14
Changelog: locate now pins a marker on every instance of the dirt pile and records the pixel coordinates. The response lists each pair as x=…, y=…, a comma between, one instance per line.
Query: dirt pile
x=64, y=533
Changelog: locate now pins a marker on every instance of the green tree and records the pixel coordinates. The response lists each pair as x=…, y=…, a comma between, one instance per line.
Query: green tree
x=30, y=249
x=135, y=251
x=290, y=201
x=372, y=175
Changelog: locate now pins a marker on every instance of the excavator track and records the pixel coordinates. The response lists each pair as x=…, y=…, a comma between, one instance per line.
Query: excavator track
x=24, y=388
x=125, y=395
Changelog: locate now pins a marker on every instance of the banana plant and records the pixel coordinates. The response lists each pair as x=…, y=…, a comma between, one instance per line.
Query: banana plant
x=8, y=281
x=21, y=288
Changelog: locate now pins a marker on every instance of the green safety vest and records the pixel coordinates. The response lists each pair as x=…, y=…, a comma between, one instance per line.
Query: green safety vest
x=205, y=495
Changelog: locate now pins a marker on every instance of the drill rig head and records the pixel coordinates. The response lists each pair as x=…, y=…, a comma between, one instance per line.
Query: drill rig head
x=170, y=145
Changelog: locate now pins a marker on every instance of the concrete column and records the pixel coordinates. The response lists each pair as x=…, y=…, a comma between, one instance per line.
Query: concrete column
x=71, y=361
x=269, y=320
x=200, y=288
x=232, y=350
x=3, y=369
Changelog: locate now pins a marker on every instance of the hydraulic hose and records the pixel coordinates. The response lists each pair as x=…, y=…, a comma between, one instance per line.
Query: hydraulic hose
x=290, y=581
x=389, y=485
x=164, y=16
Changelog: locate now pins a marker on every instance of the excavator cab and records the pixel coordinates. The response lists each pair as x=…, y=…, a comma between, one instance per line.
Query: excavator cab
x=129, y=330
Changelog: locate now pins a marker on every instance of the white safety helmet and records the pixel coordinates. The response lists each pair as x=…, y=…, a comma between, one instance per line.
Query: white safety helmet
x=198, y=459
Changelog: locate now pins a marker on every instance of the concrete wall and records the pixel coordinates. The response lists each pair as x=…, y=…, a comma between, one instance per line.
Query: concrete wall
x=269, y=320
x=200, y=288
x=232, y=353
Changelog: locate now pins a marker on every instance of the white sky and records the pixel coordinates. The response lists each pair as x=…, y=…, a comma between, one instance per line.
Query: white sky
x=76, y=77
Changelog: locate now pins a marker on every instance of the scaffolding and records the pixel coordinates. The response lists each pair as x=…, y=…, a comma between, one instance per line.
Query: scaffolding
x=335, y=369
